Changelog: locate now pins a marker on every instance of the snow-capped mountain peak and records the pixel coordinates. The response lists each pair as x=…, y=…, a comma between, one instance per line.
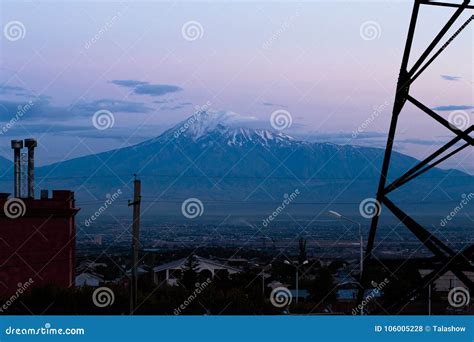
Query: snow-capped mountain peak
x=227, y=127
x=204, y=122
x=242, y=136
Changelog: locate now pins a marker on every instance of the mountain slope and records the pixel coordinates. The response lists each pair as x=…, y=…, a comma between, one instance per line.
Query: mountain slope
x=214, y=159
x=5, y=167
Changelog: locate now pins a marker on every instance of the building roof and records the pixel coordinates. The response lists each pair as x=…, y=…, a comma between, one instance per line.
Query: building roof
x=88, y=279
x=447, y=281
x=89, y=265
x=140, y=271
x=89, y=276
x=201, y=265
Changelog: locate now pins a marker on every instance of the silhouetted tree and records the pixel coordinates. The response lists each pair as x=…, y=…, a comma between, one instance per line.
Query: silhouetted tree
x=190, y=273
x=322, y=289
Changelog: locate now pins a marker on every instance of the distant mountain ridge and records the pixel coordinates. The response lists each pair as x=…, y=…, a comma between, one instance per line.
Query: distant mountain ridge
x=5, y=168
x=214, y=158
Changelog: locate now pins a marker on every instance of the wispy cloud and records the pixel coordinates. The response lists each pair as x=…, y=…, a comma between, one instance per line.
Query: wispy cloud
x=450, y=78
x=423, y=142
x=156, y=89
x=271, y=104
x=179, y=106
x=453, y=107
x=12, y=90
x=119, y=106
x=41, y=108
x=118, y=133
x=341, y=137
x=163, y=101
x=128, y=83
x=9, y=89
x=146, y=88
x=56, y=128
x=367, y=139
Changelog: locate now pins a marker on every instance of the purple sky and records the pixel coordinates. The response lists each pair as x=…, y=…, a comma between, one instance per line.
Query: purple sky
x=312, y=59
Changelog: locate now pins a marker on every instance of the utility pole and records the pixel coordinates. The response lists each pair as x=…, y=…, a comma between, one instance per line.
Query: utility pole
x=135, y=242
x=429, y=299
x=297, y=285
x=361, y=238
x=296, y=265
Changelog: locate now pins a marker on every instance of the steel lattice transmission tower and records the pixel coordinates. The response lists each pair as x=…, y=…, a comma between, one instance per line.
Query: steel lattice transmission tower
x=446, y=259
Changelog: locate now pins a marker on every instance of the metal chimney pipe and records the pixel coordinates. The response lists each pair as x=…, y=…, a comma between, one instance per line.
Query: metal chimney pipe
x=31, y=144
x=17, y=145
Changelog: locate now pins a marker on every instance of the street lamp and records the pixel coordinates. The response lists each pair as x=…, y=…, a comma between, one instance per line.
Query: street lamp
x=263, y=268
x=296, y=265
x=342, y=217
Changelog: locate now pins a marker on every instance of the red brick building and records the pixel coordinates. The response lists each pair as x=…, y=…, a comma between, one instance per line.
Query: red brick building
x=39, y=243
x=37, y=236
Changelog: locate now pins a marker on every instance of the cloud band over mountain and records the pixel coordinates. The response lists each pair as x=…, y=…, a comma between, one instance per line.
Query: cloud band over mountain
x=146, y=88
